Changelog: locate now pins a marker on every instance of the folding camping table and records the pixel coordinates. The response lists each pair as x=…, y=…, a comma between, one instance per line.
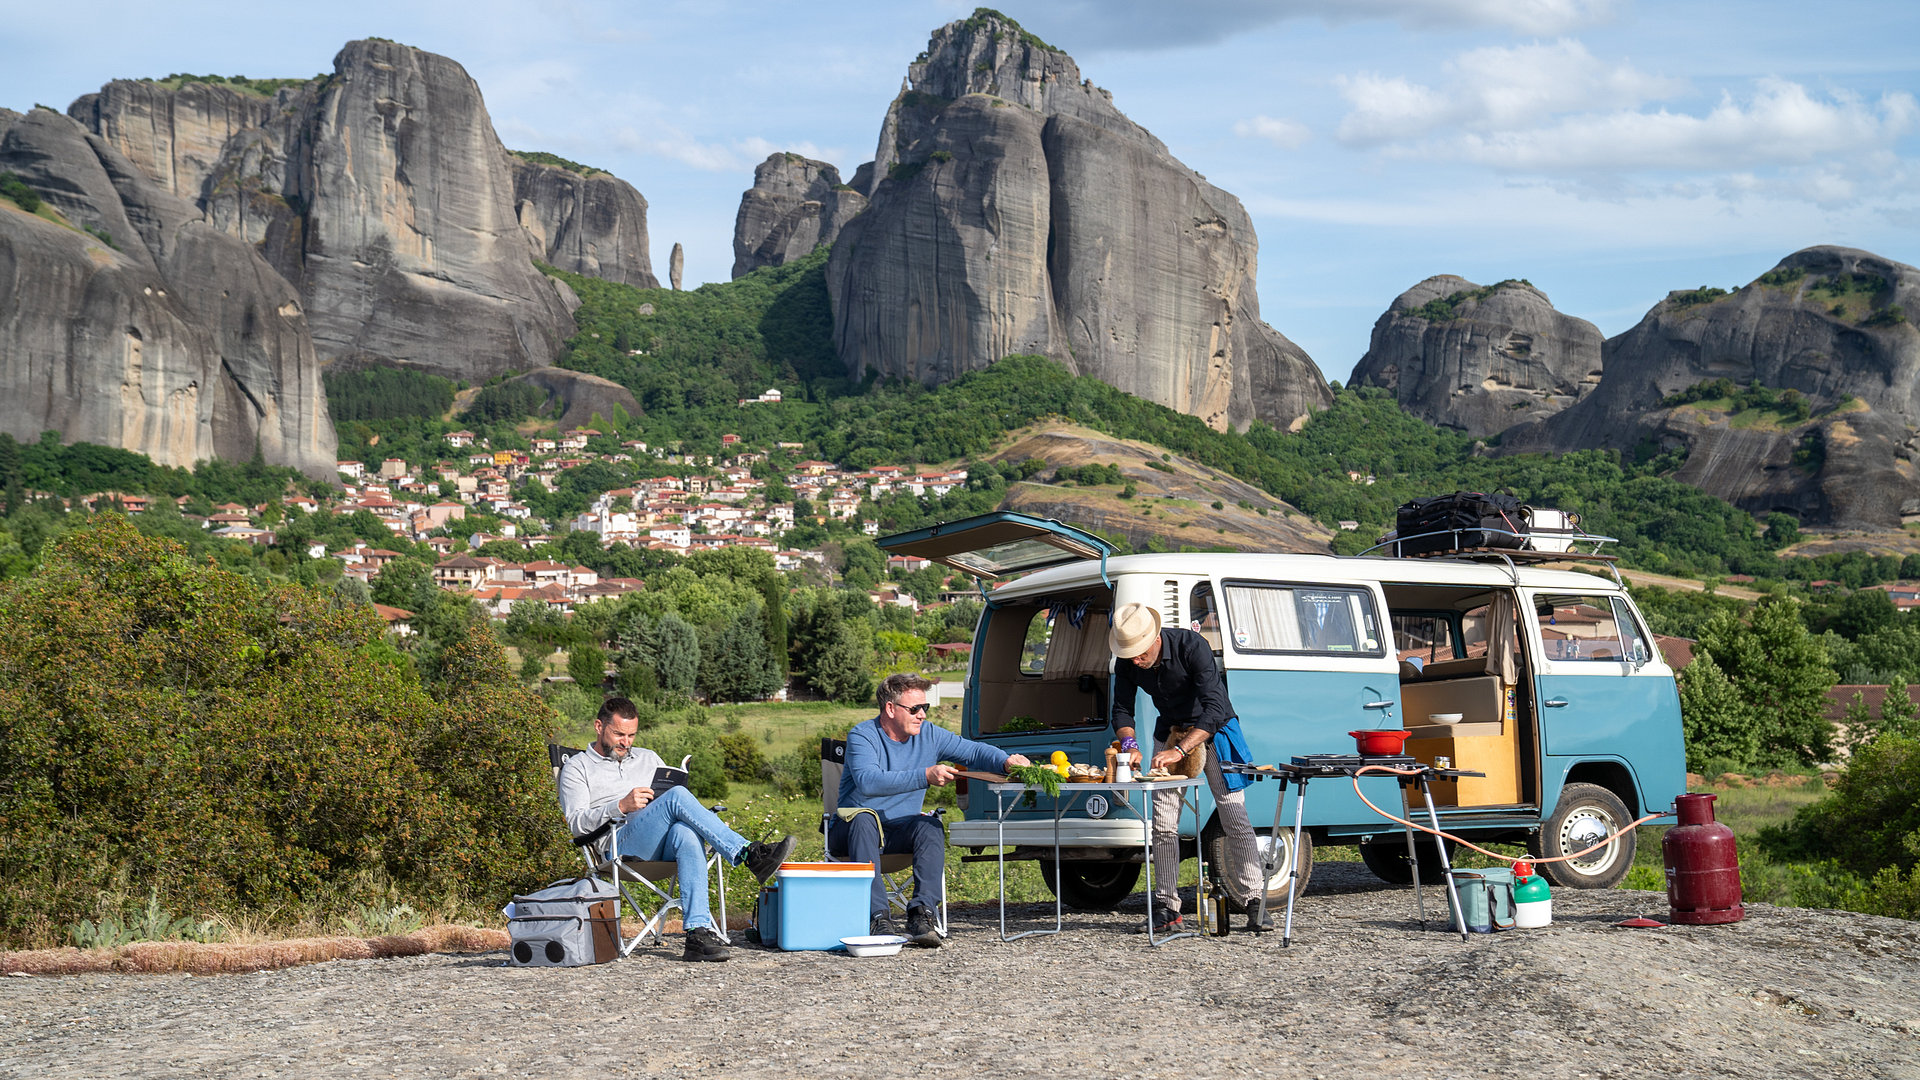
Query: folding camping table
x=1122, y=794
x=1325, y=766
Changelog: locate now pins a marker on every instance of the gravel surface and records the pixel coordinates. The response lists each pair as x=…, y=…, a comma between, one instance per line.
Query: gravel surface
x=1363, y=991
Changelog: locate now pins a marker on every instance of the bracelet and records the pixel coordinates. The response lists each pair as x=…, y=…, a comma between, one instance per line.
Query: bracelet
x=1129, y=743
x=1182, y=749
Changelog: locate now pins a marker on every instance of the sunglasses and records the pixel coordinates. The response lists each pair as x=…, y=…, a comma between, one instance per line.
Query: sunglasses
x=917, y=710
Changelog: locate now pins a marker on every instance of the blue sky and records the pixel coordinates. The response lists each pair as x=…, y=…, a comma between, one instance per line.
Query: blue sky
x=1606, y=150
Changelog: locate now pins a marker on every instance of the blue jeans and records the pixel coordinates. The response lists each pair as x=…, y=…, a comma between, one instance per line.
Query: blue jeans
x=673, y=828
x=859, y=841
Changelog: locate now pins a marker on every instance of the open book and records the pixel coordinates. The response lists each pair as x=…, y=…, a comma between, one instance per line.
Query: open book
x=667, y=776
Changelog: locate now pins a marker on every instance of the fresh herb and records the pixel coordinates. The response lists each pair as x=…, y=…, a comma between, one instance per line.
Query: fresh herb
x=1021, y=723
x=1044, y=777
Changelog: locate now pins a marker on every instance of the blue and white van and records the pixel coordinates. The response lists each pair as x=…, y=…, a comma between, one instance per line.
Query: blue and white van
x=1545, y=679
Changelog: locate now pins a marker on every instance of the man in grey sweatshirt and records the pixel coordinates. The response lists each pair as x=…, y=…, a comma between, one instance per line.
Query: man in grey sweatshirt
x=610, y=781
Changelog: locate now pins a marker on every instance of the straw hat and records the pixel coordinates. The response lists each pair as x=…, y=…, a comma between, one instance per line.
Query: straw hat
x=1134, y=628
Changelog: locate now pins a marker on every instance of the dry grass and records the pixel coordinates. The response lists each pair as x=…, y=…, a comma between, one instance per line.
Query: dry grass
x=228, y=958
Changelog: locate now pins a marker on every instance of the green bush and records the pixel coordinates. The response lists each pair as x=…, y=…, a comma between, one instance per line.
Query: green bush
x=1870, y=822
x=1705, y=294
x=16, y=189
x=541, y=157
x=228, y=745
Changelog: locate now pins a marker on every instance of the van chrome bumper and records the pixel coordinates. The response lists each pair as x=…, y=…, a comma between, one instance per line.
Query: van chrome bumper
x=1074, y=832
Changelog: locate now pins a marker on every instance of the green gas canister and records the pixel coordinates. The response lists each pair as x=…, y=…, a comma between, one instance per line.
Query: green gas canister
x=1532, y=900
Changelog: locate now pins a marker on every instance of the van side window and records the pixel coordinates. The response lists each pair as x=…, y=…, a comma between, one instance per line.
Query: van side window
x=1426, y=638
x=1302, y=619
x=1203, y=616
x=1576, y=627
x=1033, y=655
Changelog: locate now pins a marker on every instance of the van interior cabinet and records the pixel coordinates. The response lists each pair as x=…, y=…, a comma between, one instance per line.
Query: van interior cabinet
x=1482, y=747
x=1482, y=740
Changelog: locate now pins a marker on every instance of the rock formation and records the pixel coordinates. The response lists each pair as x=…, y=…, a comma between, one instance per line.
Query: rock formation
x=675, y=264
x=586, y=222
x=574, y=396
x=383, y=194
x=1830, y=323
x=134, y=322
x=1480, y=359
x=794, y=205
x=1015, y=210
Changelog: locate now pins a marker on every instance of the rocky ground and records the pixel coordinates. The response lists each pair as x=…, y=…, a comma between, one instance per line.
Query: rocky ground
x=1363, y=991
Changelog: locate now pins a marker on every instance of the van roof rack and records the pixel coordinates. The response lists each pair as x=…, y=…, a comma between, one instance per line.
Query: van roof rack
x=1512, y=556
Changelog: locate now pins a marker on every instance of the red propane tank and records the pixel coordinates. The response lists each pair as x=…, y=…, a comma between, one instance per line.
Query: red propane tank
x=1703, y=867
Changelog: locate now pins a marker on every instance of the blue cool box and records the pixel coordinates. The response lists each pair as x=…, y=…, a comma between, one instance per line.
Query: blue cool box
x=814, y=905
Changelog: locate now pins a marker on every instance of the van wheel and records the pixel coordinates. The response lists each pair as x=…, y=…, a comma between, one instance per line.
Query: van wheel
x=1213, y=841
x=1090, y=885
x=1585, y=815
x=1388, y=860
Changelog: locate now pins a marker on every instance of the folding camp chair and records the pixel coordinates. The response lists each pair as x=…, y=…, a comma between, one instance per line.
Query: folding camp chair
x=652, y=877
x=897, y=870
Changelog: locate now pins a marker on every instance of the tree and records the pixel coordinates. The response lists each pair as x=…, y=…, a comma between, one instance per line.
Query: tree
x=399, y=582
x=588, y=665
x=1719, y=726
x=532, y=666
x=841, y=667
x=1897, y=712
x=1861, y=726
x=735, y=663
x=672, y=649
x=1783, y=674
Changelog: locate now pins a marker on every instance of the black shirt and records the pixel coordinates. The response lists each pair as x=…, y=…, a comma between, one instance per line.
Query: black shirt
x=1186, y=686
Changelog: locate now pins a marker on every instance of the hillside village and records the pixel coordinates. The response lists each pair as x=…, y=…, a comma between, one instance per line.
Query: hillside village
x=675, y=514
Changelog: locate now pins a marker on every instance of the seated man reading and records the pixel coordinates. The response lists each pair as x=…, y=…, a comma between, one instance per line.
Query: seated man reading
x=608, y=781
x=891, y=761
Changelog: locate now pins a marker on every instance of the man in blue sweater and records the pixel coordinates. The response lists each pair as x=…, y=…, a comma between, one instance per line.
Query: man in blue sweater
x=891, y=761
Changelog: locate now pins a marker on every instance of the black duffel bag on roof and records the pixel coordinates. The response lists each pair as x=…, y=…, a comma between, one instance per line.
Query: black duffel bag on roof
x=1459, y=522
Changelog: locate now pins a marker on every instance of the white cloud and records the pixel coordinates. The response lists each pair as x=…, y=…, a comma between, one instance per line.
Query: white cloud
x=1782, y=124
x=1494, y=89
x=1283, y=133
x=1152, y=25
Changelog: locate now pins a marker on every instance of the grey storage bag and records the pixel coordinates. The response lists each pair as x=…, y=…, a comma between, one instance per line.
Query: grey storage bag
x=566, y=924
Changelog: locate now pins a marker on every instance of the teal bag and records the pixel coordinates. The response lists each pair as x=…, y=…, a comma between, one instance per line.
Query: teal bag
x=1486, y=899
x=1230, y=744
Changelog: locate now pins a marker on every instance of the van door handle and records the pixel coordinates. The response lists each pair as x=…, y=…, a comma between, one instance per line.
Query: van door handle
x=1555, y=703
x=1384, y=705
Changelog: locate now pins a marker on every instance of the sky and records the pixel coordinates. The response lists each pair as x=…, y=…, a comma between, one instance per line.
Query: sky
x=1608, y=151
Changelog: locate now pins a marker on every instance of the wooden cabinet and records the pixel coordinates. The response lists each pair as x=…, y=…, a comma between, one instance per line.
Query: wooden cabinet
x=1481, y=747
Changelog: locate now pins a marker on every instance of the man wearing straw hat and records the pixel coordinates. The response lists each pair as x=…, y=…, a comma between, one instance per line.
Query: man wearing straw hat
x=1176, y=669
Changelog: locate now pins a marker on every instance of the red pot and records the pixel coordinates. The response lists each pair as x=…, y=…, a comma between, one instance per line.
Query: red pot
x=1380, y=743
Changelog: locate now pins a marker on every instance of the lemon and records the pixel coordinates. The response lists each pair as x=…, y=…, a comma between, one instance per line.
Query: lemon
x=1059, y=759
x=1063, y=769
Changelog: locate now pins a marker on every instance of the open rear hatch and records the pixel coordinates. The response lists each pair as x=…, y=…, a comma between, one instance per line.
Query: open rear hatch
x=993, y=547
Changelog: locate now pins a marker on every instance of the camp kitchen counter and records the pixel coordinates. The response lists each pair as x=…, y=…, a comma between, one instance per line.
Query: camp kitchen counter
x=1406, y=771
x=1070, y=793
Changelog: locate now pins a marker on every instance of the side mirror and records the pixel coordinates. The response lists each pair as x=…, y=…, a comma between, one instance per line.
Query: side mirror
x=1639, y=656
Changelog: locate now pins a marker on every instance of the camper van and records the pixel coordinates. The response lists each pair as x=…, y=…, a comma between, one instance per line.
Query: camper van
x=1544, y=679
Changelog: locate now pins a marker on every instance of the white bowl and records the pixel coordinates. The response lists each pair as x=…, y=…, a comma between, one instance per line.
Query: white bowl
x=873, y=945
x=1445, y=717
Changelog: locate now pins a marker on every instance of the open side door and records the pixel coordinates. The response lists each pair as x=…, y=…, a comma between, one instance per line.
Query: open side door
x=992, y=547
